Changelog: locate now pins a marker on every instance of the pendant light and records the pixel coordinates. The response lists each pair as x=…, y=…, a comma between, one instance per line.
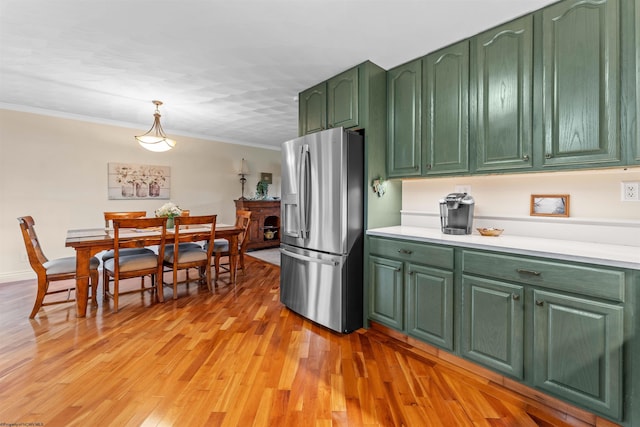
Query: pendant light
x=155, y=139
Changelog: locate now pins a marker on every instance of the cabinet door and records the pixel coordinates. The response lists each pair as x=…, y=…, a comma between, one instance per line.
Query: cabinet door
x=581, y=83
x=578, y=351
x=404, y=104
x=429, y=305
x=446, y=104
x=493, y=324
x=386, y=304
x=313, y=109
x=635, y=155
x=342, y=97
x=502, y=73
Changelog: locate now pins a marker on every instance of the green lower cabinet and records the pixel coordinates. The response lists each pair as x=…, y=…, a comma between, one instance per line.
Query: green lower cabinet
x=429, y=305
x=493, y=325
x=578, y=351
x=386, y=302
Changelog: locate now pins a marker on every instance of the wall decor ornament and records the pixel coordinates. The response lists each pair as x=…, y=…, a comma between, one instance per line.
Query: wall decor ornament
x=130, y=181
x=549, y=205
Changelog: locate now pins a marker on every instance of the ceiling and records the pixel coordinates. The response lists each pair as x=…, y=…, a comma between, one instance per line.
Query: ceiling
x=226, y=70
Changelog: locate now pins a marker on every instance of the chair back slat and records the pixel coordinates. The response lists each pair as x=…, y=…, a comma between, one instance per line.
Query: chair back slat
x=110, y=216
x=32, y=244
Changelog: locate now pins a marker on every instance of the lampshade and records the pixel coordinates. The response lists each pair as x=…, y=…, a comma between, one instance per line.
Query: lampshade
x=155, y=139
x=244, y=169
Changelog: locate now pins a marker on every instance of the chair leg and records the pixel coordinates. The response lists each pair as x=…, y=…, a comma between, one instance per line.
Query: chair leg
x=217, y=264
x=175, y=283
x=43, y=285
x=115, y=294
x=105, y=283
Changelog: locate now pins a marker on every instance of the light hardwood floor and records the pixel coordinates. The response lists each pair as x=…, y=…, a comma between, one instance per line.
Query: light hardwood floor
x=235, y=357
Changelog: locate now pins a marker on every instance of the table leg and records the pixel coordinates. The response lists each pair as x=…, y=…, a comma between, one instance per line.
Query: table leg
x=83, y=260
x=233, y=257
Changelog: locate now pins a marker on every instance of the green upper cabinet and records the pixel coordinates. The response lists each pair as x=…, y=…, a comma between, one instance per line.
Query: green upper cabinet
x=404, y=111
x=330, y=104
x=446, y=110
x=312, y=109
x=580, y=83
x=501, y=90
x=635, y=155
x=342, y=99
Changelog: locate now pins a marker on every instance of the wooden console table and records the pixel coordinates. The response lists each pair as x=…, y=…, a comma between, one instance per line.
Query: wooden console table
x=264, y=228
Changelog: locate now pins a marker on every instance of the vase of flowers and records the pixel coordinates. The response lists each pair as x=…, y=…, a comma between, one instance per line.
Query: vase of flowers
x=169, y=210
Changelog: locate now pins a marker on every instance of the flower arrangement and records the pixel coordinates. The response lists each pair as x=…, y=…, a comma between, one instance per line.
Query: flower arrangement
x=169, y=210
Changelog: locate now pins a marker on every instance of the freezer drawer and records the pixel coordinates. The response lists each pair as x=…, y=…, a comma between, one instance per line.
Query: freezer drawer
x=323, y=288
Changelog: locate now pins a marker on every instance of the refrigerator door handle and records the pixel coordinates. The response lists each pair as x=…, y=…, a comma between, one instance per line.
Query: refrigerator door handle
x=303, y=181
x=310, y=259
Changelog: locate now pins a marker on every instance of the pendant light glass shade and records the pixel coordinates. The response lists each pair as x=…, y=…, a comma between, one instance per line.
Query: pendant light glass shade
x=155, y=139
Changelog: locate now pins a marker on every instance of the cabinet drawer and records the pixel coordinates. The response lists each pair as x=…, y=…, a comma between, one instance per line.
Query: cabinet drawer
x=584, y=280
x=421, y=253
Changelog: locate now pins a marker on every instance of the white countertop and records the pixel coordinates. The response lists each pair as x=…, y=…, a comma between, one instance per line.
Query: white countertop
x=594, y=253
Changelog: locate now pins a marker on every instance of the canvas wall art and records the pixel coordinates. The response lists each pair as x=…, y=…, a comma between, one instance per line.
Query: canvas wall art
x=130, y=181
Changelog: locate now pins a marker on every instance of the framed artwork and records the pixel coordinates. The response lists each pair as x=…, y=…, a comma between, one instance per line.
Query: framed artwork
x=130, y=181
x=266, y=177
x=549, y=205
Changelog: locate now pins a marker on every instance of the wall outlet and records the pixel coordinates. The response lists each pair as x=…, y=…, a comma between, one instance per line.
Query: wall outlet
x=466, y=188
x=630, y=191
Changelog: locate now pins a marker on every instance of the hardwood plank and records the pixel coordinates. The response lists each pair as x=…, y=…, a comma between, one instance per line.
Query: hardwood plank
x=237, y=357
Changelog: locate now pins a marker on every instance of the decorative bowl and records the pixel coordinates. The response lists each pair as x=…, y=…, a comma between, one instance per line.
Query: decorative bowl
x=490, y=231
x=269, y=234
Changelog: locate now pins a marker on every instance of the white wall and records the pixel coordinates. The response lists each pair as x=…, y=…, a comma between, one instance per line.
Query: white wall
x=596, y=212
x=55, y=170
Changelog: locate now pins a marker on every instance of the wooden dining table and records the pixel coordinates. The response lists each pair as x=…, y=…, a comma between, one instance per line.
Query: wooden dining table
x=88, y=242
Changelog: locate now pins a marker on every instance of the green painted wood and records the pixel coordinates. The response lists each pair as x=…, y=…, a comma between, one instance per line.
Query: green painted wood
x=502, y=73
x=429, y=305
x=493, y=324
x=578, y=351
x=446, y=110
x=422, y=253
x=581, y=83
x=342, y=98
x=635, y=154
x=386, y=296
x=583, y=279
x=404, y=115
x=312, y=109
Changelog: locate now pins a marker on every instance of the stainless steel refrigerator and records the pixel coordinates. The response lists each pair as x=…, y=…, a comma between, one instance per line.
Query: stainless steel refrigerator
x=322, y=228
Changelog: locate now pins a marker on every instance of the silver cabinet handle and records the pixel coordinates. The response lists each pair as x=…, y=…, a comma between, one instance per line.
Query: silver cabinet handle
x=525, y=157
x=539, y=303
x=405, y=251
x=515, y=297
x=530, y=272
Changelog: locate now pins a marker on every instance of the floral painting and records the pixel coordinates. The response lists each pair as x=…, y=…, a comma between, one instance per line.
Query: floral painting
x=127, y=181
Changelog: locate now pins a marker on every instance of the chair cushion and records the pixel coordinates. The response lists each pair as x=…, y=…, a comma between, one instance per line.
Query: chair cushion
x=134, y=262
x=189, y=255
x=125, y=252
x=220, y=245
x=183, y=247
x=67, y=265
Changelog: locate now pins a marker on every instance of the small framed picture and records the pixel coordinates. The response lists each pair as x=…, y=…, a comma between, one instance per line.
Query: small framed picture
x=549, y=205
x=266, y=177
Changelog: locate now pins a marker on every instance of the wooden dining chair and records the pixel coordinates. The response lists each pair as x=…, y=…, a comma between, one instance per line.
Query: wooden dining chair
x=221, y=246
x=182, y=257
x=52, y=270
x=108, y=223
x=125, y=266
